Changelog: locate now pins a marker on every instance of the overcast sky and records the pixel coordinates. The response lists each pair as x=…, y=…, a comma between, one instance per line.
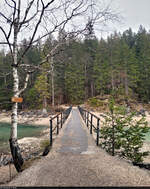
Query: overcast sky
x=135, y=12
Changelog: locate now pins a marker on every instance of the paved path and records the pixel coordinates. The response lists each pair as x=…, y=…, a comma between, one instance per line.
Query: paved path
x=75, y=160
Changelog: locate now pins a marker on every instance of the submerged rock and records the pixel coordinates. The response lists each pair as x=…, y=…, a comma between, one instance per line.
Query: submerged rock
x=142, y=112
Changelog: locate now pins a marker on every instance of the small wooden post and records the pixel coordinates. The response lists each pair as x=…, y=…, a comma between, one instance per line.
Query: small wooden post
x=97, y=141
x=51, y=132
x=61, y=120
x=91, y=124
x=57, y=125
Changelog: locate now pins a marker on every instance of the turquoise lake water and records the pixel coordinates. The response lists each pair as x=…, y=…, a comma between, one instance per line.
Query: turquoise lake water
x=26, y=131
x=23, y=131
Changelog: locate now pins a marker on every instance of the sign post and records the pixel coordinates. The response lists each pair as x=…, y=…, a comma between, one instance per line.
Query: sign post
x=17, y=99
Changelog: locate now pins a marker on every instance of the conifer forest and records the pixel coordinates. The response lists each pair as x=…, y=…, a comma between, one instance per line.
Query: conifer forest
x=80, y=68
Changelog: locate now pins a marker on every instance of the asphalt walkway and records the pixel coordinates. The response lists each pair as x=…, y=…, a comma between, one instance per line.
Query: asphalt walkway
x=75, y=160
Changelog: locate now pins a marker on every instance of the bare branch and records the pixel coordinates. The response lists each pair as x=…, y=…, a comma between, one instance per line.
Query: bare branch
x=9, y=4
x=7, y=19
x=24, y=21
x=5, y=43
x=18, y=16
x=25, y=84
x=7, y=39
x=45, y=7
x=14, y=12
x=4, y=74
x=13, y=2
x=35, y=30
x=74, y=13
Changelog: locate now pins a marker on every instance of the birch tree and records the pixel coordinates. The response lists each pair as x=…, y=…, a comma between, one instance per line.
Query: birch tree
x=34, y=18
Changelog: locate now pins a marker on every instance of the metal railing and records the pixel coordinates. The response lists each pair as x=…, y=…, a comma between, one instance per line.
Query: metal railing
x=88, y=119
x=57, y=122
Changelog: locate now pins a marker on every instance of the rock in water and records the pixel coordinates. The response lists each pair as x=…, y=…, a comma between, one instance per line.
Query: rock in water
x=44, y=111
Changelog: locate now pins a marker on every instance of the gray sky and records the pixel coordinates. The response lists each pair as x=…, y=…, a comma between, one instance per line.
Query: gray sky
x=135, y=12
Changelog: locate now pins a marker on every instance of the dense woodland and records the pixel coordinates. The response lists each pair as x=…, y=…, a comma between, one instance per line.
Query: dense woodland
x=81, y=68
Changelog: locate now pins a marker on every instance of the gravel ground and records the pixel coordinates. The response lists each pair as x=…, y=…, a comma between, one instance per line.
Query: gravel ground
x=5, y=173
x=76, y=161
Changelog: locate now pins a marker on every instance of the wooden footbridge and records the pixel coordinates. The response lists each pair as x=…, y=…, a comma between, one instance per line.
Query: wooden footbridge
x=76, y=160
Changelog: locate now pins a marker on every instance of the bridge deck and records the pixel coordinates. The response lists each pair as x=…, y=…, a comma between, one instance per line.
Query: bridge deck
x=75, y=160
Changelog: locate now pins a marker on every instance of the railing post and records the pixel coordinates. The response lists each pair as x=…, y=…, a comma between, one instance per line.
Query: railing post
x=51, y=132
x=57, y=125
x=85, y=116
x=61, y=120
x=91, y=124
x=88, y=119
x=82, y=114
x=97, y=141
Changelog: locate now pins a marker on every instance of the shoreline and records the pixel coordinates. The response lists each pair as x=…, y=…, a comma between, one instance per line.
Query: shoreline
x=30, y=146
x=26, y=144
x=29, y=120
x=32, y=118
x=30, y=149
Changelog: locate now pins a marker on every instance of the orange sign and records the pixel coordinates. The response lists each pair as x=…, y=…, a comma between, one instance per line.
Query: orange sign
x=17, y=99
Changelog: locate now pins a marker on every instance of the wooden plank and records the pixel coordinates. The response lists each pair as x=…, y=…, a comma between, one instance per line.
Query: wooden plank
x=17, y=99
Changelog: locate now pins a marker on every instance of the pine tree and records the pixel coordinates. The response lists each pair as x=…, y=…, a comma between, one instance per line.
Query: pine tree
x=143, y=55
x=101, y=69
x=122, y=134
x=74, y=75
x=42, y=86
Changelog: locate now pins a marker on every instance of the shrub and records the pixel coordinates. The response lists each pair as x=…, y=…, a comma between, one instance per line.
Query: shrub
x=95, y=102
x=132, y=140
x=122, y=134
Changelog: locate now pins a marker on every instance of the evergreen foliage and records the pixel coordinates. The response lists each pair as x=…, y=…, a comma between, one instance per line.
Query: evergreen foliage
x=84, y=68
x=122, y=134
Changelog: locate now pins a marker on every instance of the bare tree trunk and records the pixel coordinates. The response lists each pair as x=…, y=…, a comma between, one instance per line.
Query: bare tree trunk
x=86, y=82
x=112, y=80
x=5, y=80
x=52, y=75
x=15, y=150
x=92, y=89
x=45, y=102
x=126, y=84
x=44, y=105
x=112, y=71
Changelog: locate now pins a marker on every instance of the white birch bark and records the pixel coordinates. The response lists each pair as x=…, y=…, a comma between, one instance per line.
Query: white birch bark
x=14, y=116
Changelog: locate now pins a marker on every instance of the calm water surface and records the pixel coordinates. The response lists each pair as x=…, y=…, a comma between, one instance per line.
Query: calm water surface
x=23, y=131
